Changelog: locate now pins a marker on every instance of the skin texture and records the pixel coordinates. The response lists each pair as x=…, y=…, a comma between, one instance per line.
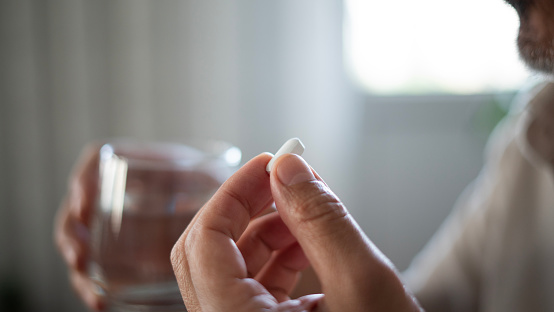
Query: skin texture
x=228, y=261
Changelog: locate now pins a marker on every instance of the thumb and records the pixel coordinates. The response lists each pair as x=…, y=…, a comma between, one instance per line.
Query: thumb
x=354, y=274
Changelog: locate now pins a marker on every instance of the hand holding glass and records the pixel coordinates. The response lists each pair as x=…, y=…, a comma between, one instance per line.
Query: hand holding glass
x=149, y=192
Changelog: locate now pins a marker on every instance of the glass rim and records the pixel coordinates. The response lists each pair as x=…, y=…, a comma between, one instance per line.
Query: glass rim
x=182, y=154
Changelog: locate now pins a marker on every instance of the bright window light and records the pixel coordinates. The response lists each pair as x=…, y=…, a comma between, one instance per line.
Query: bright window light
x=433, y=46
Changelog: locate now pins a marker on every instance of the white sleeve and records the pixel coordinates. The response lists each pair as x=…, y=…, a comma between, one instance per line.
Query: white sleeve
x=446, y=275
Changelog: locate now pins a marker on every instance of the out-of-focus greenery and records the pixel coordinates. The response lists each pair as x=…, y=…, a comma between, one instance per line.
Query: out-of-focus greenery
x=491, y=113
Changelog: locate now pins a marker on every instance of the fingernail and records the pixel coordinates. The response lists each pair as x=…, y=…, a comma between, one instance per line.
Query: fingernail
x=292, y=169
x=312, y=299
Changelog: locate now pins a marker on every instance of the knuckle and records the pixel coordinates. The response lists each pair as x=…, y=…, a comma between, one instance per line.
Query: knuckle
x=314, y=202
x=238, y=198
x=178, y=254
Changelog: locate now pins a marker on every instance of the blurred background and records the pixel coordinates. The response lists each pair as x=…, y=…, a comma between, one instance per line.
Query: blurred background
x=393, y=104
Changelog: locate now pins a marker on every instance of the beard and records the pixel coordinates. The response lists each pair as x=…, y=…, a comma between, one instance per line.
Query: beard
x=536, y=54
x=536, y=33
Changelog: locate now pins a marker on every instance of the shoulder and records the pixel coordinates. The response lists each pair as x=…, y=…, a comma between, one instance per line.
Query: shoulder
x=528, y=129
x=536, y=136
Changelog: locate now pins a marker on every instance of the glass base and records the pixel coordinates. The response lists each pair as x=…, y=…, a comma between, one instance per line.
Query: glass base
x=151, y=298
x=127, y=307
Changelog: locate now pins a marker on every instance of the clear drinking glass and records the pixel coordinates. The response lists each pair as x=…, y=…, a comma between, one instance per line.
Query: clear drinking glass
x=148, y=193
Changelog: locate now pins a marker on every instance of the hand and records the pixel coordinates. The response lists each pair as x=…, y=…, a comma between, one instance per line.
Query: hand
x=71, y=229
x=228, y=261
x=72, y=226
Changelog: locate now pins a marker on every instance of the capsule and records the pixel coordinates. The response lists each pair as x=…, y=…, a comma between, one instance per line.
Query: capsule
x=292, y=146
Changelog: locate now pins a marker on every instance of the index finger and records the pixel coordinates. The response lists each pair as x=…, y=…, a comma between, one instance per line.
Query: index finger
x=206, y=259
x=83, y=182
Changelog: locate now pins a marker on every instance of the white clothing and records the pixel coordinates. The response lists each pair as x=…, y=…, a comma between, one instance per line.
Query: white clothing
x=495, y=252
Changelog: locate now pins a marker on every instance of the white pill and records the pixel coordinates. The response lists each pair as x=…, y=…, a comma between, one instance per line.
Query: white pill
x=293, y=146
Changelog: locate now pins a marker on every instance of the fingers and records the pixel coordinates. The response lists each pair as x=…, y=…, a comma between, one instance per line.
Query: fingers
x=71, y=232
x=209, y=266
x=72, y=239
x=346, y=262
x=312, y=211
x=272, y=255
x=302, y=304
x=86, y=290
x=217, y=254
x=262, y=237
x=281, y=273
x=83, y=183
x=71, y=224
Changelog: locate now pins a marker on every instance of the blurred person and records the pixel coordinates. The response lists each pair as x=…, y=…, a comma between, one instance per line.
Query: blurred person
x=496, y=249
x=494, y=253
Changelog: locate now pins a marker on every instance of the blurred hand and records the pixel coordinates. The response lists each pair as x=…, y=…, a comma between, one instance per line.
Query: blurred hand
x=228, y=261
x=71, y=229
x=73, y=220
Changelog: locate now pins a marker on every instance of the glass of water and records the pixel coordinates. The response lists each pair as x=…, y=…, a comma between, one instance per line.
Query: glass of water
x=148, y=193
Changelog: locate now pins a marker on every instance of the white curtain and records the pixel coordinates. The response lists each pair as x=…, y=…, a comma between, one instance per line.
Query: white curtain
x=250, y=72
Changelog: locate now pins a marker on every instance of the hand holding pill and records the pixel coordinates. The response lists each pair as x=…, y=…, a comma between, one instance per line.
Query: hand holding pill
x=229, y=260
